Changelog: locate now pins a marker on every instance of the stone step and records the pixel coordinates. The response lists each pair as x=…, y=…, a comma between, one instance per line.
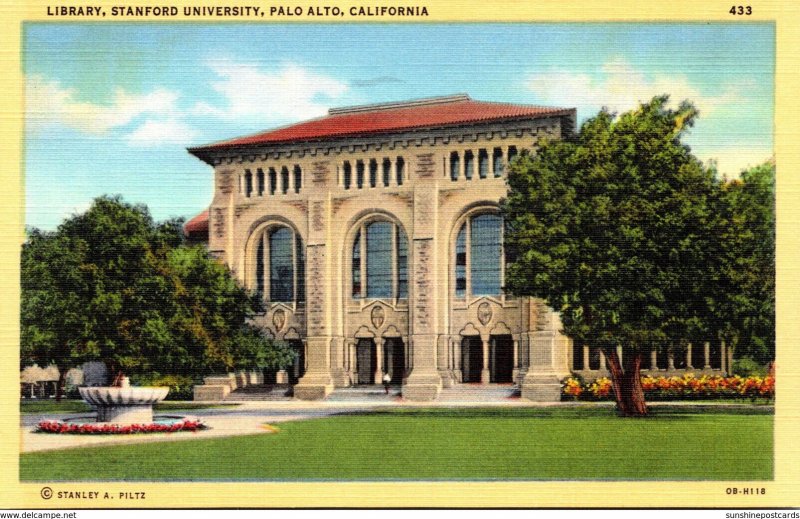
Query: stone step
x=370, y=392
x=257, y=393
x=479, y=393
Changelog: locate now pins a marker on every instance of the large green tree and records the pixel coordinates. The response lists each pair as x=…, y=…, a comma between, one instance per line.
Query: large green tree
x=746, y=304
x=617, y=228
x=113, y=285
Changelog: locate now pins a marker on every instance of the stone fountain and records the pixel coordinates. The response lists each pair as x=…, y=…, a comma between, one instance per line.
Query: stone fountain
x=124, y=404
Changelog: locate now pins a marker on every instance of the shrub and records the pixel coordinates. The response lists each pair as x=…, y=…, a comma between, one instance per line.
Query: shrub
x=687, y=387
x=747, y=367
x=181, y=387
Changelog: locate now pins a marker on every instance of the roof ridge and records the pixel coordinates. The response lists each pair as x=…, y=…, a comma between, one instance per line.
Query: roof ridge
x=376, y=107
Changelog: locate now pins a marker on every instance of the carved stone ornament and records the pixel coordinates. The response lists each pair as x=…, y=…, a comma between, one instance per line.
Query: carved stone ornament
x=484, y=313
x=279, y=319
x=378, y=316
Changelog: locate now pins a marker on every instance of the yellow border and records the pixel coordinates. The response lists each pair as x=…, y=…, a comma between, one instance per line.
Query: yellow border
x=781, y=492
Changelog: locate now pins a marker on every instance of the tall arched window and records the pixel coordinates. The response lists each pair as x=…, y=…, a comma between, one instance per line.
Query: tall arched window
x=478, y=266
x=280, y=265
x=380, y=261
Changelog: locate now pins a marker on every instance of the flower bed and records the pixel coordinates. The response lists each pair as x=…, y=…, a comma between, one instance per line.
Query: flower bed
x=686, y=387
x=64, y=427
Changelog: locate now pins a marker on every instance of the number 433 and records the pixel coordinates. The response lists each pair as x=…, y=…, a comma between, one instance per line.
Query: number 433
x=741, y=9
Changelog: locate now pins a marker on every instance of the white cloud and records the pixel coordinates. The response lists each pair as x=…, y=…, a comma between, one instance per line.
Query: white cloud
x=159, y=132
x=620, y=87
x=50, y=104
x=291, y=92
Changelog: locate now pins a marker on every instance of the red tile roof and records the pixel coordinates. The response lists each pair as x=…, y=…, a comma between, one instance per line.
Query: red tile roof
x=391, y=117
x=198, y=224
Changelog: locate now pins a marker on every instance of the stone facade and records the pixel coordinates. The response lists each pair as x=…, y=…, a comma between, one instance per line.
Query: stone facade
x=433, y=326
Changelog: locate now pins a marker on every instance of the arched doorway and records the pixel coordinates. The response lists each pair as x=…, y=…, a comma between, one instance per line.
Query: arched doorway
x=366, y=361
x=394, y=359
x=471, y=359
x=501, y=360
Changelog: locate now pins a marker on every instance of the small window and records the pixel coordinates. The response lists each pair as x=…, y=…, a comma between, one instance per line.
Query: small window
x=273, y=181
x=512, y=152
x=469, y=164
x=497, y=157
x=260, y=176
x=399, y=169
x=248, y=183
x=483, y=164
x=284, y=180
x=373, y=173
x=298, y=179
x=387, y=172
x=348, y=175
x=359, y=174
x=455, y=165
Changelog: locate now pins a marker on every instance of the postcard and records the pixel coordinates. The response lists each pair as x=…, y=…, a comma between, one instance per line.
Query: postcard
x=391, y=255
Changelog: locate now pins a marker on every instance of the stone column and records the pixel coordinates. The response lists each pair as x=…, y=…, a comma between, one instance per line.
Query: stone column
x=424, y=382
x=541, y=382
x=444, y=355
x=670, y=361
x=352, y=362
x=619, y=355
x=378, y=378
x=338, y=361
x=706, y=355
x=603, y=367
x=485, y=374
x=392, y=172
x=457, y=363
x=730, y=360
x=515, y=373
x=653, y=360
x=586, y=354
x=689, y=364
x=723, y=350
x=317, y=382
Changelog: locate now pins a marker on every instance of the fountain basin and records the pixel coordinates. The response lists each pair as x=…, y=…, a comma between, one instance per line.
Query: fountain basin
x=124, y=405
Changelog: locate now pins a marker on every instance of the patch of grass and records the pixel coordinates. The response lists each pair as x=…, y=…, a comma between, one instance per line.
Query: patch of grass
x=79, y=406
x=584, y=443
x=51, y=406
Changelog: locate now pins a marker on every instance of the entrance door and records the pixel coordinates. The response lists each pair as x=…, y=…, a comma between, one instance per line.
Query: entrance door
x=501, y=362
x=471, y=359
x=366, y=360
x=395, y=359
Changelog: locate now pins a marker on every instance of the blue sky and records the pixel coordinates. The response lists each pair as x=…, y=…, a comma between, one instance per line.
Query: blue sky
x=111, y=108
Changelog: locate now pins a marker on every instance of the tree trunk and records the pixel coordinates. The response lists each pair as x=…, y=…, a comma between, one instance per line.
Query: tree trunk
x=627, y=383
x=62, y=379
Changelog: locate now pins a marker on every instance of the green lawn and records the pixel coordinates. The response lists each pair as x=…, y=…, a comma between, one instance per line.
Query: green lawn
x=79, y=406
x=554, y=443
